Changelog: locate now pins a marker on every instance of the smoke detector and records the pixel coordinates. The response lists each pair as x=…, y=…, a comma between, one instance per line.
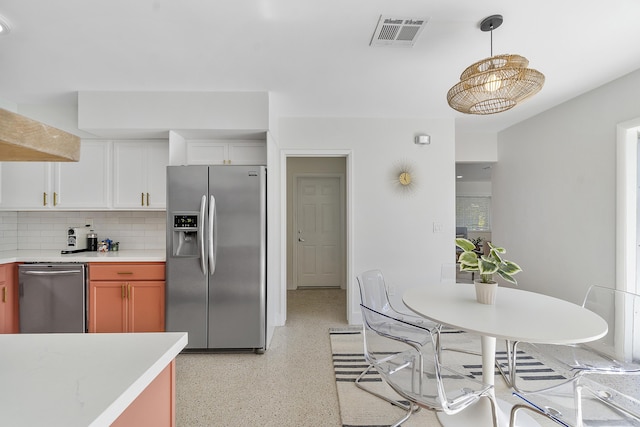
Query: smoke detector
x=398, y=32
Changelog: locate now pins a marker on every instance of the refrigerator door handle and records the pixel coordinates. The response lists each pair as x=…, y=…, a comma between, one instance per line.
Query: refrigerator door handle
x=213, y=235
x=203, y=259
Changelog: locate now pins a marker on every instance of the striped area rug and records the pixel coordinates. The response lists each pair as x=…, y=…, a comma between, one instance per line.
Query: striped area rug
x=361, y=409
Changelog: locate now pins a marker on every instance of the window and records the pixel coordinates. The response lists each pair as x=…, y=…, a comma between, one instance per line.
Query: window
x=473, y=212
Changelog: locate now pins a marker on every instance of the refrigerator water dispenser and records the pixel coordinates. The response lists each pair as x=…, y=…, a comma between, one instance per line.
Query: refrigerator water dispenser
x=185, y=235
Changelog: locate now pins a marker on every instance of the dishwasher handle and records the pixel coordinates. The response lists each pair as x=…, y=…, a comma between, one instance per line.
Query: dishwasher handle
x=56, y=272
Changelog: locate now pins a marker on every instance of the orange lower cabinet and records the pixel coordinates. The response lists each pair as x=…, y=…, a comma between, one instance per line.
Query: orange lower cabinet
x=9, y=299
x=155, y=406
x=129, y=303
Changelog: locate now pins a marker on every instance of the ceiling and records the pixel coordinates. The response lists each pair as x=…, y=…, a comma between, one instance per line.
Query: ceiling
x=312, y=55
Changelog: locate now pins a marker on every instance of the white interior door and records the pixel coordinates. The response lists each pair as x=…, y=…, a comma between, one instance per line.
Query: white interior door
x=318, y=235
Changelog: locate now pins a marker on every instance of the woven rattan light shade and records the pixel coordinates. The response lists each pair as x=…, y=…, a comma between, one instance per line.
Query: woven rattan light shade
x=494, y=84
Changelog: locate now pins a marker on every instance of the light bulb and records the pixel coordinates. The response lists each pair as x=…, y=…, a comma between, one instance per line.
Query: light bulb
x=493, y=83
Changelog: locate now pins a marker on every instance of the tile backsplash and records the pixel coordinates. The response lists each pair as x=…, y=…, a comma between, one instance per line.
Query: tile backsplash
x=8, y=231
x=48, y=230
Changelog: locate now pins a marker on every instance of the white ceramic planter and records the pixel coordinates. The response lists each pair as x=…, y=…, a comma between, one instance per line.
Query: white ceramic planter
x=486, y=292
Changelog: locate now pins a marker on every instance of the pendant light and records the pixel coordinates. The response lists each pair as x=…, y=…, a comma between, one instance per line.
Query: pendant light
x=494, y=84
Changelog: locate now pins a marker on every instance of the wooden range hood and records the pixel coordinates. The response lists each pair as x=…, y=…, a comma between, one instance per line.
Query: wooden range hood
x=26, y=140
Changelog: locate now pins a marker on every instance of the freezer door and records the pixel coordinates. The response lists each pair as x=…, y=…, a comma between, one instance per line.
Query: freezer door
x=186, y=277
x=237, y=286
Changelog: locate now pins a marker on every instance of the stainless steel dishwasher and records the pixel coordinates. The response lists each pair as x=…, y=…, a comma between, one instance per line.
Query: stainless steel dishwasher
x=52, y=297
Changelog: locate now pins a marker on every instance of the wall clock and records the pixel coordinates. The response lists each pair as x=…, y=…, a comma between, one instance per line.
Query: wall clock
x=404, y=177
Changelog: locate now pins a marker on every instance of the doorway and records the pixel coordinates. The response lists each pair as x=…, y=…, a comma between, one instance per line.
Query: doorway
x=316, y=222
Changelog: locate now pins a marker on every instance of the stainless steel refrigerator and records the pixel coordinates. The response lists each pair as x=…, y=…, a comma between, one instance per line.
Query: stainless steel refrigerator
x=216, y=256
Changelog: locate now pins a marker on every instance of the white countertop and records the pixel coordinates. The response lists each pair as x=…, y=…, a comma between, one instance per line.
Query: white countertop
x=154, y=255
x=78, y=379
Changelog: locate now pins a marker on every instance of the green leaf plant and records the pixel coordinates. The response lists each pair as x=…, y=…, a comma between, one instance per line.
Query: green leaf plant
x=486, y=265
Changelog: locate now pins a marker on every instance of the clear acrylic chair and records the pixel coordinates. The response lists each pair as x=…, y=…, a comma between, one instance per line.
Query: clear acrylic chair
x=581, y=402
x=448, y=275
x=374, y=295
x=607, y=355
x=411, y=367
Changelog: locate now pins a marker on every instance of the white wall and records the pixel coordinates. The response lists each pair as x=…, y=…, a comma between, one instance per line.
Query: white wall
x=476, y=147
x=389, y=230
x=554, y=191
x=105, y=112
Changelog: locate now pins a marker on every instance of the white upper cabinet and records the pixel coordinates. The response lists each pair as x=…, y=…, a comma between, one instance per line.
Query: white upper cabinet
x=140, y=174
x=25, y=185
x=85, y=184
x=59, y=185
x=212, y=152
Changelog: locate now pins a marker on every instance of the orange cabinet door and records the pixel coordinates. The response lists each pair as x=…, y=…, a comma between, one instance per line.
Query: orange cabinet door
x=9, y=299
x=4, y=301
x=107, y=307
x=146, y=306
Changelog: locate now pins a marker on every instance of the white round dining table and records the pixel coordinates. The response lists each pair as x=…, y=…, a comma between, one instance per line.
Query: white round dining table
x=517, y=315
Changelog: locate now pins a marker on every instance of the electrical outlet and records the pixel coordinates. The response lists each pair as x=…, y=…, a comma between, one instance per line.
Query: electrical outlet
x=437, y=227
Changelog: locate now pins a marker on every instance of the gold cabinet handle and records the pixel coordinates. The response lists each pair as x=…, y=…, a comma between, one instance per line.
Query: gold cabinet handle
x=55, y=199
x=44, y=199
x=4, y=294
x=128, y=291
x=147, y=199
x=122, y=290
x=125, y=272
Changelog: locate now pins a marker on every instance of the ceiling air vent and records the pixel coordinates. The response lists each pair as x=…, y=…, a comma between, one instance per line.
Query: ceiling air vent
x=399, y=32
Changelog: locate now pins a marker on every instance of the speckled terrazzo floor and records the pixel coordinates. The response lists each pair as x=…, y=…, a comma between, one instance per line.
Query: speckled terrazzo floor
x=291, y=384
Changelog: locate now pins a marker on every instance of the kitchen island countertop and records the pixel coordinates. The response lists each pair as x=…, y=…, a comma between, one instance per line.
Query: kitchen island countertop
x=78, y=379
x=153, y=255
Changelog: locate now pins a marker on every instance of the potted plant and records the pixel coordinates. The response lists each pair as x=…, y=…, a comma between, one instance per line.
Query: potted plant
x=477, y=242
x=486, y=266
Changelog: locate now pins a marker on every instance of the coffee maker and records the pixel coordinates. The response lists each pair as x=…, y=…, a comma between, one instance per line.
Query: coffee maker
x=76, y=239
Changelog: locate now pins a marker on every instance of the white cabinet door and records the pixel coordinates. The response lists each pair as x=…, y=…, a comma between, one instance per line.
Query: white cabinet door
x=139, y=174
x=128, y=174
x=207, y=153
x=25, y=185
x=157, y=162
x=212, y=152
x=85, y=184
x=248, y=153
